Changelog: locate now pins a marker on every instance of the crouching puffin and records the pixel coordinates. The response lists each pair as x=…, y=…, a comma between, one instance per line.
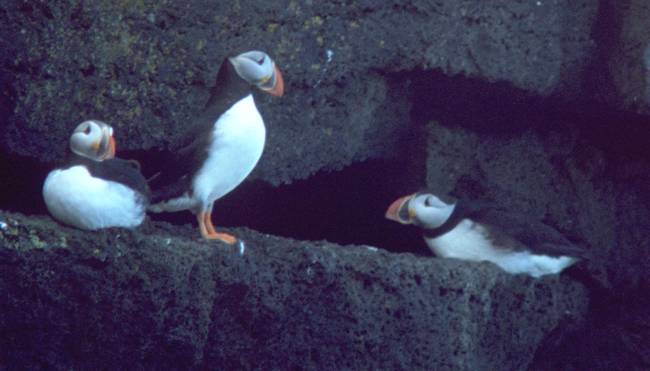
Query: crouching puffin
x=94, y=189
x=481, y=232
x=222, y=146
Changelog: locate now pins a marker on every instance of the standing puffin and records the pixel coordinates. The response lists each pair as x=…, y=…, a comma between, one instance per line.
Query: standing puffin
x=222, y=146
x=481, y=232
x=95, y=190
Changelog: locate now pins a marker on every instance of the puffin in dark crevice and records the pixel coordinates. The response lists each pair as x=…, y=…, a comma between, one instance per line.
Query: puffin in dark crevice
x=221, y=146
x=94, y=189
x=478, y=231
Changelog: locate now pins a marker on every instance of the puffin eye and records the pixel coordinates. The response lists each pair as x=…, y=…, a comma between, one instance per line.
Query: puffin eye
x=260, y=61
x=87, y=130
x=427, y=202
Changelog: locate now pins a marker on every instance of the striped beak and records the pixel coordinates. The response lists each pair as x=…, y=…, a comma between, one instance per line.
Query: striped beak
x=399, y=212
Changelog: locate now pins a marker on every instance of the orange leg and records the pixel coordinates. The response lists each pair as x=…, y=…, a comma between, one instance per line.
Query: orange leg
x=209, y=233
x=208, y=223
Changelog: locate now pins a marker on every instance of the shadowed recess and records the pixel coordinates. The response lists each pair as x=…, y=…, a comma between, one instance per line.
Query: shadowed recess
x=345, y=207
x=348, y=206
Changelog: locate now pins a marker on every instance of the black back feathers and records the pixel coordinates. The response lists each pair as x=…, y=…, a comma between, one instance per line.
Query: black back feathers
x=510, y=230
x=126, y=172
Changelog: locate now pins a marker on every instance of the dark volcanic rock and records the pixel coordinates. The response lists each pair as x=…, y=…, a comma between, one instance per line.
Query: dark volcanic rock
x=158, y=298
x=146, y=67
x=598, y=198
x=616, y=339
x=623, y=70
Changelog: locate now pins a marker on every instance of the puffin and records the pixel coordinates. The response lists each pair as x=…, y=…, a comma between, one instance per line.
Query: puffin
x=480, y=231
x=94, y=189
x=222, y=145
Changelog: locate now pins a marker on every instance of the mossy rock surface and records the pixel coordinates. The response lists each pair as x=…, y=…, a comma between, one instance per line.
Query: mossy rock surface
x=158, y=297
x=146, y=68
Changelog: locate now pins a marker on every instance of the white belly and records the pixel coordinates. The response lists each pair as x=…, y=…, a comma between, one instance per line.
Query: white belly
x=238, y=142
x=76, y=198
x=467, y=242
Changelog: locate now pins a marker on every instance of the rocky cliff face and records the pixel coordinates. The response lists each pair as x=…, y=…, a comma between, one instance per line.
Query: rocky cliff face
x=147, y=67
x=538, y=105
x=156, y=298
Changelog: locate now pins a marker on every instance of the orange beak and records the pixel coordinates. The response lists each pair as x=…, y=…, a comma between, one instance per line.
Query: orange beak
x=278, y=89
x=393, y=212
x=110, y=149
x=110, y=153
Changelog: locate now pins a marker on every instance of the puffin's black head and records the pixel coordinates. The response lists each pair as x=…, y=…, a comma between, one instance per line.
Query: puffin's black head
x=423, y=209
x=93, y=139
x=258, y=69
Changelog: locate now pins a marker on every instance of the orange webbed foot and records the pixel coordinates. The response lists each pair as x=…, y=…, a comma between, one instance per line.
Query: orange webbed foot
x=223, y=237
x=209, y=233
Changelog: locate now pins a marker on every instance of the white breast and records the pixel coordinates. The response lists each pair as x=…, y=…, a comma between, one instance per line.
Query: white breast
x=76, y=198
x=467, y=241
x=237, y=145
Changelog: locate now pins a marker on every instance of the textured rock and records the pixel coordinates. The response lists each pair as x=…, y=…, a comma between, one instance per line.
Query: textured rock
x=595, y=198
x=617, y=338
x=158, y=297
x=625, y=80
x=153, y=299
x=146, y=67
x=598, y=198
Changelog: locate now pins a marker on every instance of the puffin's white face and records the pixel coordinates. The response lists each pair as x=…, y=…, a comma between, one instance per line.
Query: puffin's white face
x=258, y=69
x=422, y=209
x=93, y=139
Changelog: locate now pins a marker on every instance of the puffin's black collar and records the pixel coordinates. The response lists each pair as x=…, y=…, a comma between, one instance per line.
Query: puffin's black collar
x=456, y=216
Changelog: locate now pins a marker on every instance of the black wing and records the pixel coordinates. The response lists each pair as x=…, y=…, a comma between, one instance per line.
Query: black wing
x=177, y=169
x=522, y=231
x=126, y=172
